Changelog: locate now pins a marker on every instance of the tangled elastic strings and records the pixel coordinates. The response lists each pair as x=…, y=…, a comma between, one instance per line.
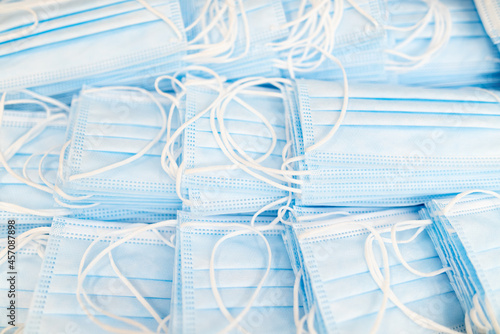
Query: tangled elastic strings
x=386, y=289
x=83, y=272
x=37, y=236
x=223, y=51
x=228, y=146
x=30, y=135
x=144, y=150
x=168, y=156
x=314, y=29
x=234, y=322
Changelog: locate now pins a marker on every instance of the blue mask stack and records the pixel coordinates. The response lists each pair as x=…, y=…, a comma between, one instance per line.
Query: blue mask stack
x=31, y=235
x=245, y=265
x=100, y=276
x=346, y=291
x=461, y=232
x=210, y=181
x=71, y=43
x=113, y=149
x=393, y=145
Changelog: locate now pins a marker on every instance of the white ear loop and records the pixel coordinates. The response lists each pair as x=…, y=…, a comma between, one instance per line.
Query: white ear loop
x=6, y=37
x=408, y=225
x=163, y=18
x=136, y=293
x=345, y=102
x=478, y=317
x=84, y=271
x=18, y=329
x=38, y=233
x=491, y=315
x=458, y=197
x=310, y=320
x=388, y=293
x=9, y=207
x=60, y=192
x=442, y=33
x=213, y=284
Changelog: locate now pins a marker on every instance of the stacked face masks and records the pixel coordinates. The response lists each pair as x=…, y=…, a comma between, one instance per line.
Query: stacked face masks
x=31, y=234
x=113, y=148
x=229, y=145
x=233, y=36
x=31, y=136
x=231, y=276
x=391, y=145
x=465, y=233
x=433, y=53
x=102, y=277
x=490, y=16
x=354, y=281
x=57, y=47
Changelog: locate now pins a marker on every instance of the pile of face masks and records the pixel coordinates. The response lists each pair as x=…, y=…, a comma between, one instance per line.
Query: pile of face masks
x=249, y=166
x=55, y=47
x=338, y=254
x=391, y=145
x=459, y=231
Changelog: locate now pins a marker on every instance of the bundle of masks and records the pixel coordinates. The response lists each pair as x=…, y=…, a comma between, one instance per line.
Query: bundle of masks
x=249, y=166
x=363, y=271
x=376, y=145
x=459, y=230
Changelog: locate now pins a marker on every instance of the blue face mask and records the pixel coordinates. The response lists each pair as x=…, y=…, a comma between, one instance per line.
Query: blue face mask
x=31, y=235
x=459, y=230
x=231, y=37
x=104, y=276
x=451, y=64
x=348, y=292
x=158, y=31
x=231, y=275
x=32, y=130
x=254, y=126
x=394, y=138
x=112, y=153
x=490, y=16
